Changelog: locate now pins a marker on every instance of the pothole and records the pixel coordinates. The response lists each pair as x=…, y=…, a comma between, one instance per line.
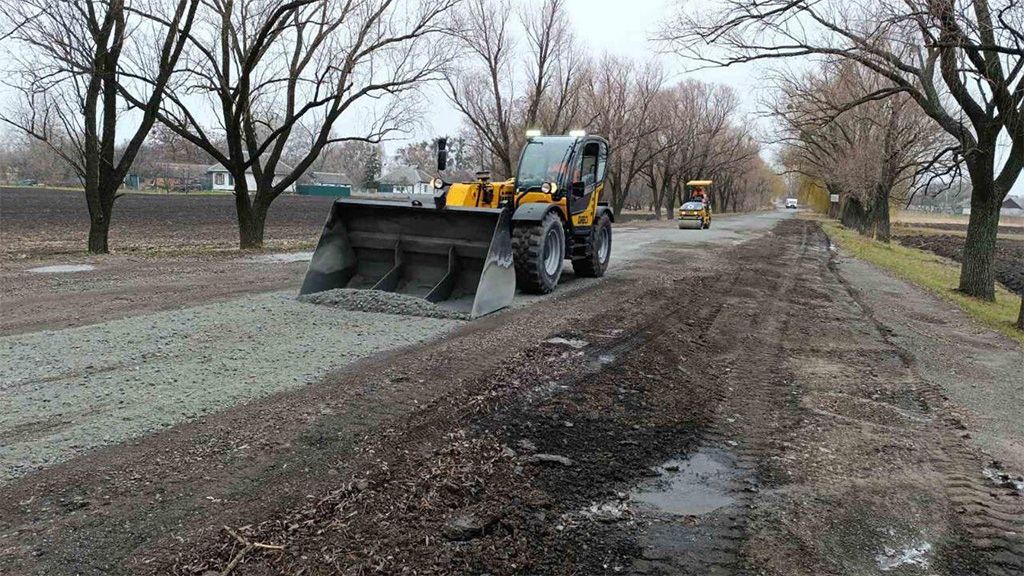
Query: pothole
x=695, y=486
x=62, y=268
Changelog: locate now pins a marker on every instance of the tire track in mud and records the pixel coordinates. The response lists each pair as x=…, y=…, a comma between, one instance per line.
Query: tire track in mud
x=991, y=516
x=764, y=412
x=754, y=376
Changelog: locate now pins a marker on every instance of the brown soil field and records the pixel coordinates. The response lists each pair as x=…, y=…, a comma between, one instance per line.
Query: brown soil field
x=1009, y=265
x=38, y=222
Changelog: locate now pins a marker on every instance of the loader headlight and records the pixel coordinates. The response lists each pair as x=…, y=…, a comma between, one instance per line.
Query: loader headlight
x=437, y=183
x=549, y=187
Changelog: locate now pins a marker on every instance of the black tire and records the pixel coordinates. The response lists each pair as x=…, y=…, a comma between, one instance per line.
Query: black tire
x=707, y=224
x=595, y=265
x=534, y=273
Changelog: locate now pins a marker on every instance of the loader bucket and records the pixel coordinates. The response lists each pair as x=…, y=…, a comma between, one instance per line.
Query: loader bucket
x=460, y=258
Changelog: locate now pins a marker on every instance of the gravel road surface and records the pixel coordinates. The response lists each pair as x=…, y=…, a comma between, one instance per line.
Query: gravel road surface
x=65, y=392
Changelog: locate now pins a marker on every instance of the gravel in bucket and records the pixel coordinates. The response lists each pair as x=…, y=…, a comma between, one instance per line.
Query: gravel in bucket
x=383, y=302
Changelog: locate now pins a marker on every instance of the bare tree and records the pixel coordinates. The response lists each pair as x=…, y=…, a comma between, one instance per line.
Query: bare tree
x=961, y=62
x=74, y=60
x=869, y=154
x=484, y=92
x=280, y=75
x=486, y=88
x=623, y=99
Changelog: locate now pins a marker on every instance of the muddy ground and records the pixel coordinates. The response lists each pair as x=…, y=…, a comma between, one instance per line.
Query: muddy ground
x=1009, y=257
x=569, y=437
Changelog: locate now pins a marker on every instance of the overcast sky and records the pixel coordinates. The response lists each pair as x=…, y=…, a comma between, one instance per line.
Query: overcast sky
x=624, y=28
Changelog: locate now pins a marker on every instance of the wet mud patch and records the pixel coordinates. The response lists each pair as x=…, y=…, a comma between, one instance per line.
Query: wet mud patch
x=689, y=511
x=888, y=527
x=508, y=473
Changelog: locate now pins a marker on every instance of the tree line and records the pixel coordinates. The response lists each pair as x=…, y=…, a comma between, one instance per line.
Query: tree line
x=524, y=67
x=274, y=89
x=900, y=95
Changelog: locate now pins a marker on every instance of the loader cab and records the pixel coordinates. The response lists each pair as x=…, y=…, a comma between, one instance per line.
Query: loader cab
x=575, y=165
x=544, y=159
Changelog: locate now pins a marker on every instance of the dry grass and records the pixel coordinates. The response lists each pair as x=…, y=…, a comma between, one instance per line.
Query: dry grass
x=934, y=273
x=907, y=217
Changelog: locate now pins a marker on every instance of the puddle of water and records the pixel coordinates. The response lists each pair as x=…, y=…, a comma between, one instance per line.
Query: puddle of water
x=63, y=268
x=283, y=258
x=570, y=342
x=693, y=487
x=912, y=555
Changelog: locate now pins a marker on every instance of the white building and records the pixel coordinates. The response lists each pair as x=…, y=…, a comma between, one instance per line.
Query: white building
x=222, y=180
x=1012, y=207
x=406, y=180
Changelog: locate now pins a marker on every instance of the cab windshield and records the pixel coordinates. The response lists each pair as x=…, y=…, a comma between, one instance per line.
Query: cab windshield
x=543, y=160
x=693, y=206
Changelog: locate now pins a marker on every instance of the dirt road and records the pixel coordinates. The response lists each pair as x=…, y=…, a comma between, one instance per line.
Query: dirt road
x=735, y=407
x=105, y=381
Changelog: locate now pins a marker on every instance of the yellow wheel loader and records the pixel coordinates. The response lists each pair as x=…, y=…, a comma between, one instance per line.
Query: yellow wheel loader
x=469, y=245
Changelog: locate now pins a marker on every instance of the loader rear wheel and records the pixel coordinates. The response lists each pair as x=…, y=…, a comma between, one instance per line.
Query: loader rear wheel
x=594, y=265
x=539, y=253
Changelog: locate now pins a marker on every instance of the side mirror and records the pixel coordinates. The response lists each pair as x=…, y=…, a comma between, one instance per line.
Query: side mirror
x=442, y=154
x=578, y=189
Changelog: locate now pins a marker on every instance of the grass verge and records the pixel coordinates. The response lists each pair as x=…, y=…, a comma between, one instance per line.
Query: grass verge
x=933, y=273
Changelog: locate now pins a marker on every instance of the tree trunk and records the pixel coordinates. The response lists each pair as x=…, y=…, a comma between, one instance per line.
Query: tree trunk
x=880, y=214
x=1020, y=315
x=252, y=216
x=250, y=229
x=977, y=276
x=853, y=215
x=101, y=206
x=99, y=230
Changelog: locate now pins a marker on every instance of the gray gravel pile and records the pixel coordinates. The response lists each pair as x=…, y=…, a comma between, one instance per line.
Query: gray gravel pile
x=383, y=302
x=67, y=391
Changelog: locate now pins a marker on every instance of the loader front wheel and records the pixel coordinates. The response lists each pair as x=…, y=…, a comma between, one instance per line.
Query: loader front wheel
x=539, y=253
x=594, y=265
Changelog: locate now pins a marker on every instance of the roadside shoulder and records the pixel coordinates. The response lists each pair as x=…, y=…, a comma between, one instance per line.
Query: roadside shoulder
x=978, y=368
x=932, y=273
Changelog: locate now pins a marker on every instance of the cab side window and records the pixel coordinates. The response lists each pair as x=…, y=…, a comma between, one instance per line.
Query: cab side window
x=592, y=164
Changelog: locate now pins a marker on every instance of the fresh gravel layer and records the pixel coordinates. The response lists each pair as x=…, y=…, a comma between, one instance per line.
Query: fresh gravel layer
x=384, y=302
x=65, y=392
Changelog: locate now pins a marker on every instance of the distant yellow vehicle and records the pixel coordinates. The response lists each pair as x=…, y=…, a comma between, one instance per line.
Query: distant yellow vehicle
x=696, y=211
